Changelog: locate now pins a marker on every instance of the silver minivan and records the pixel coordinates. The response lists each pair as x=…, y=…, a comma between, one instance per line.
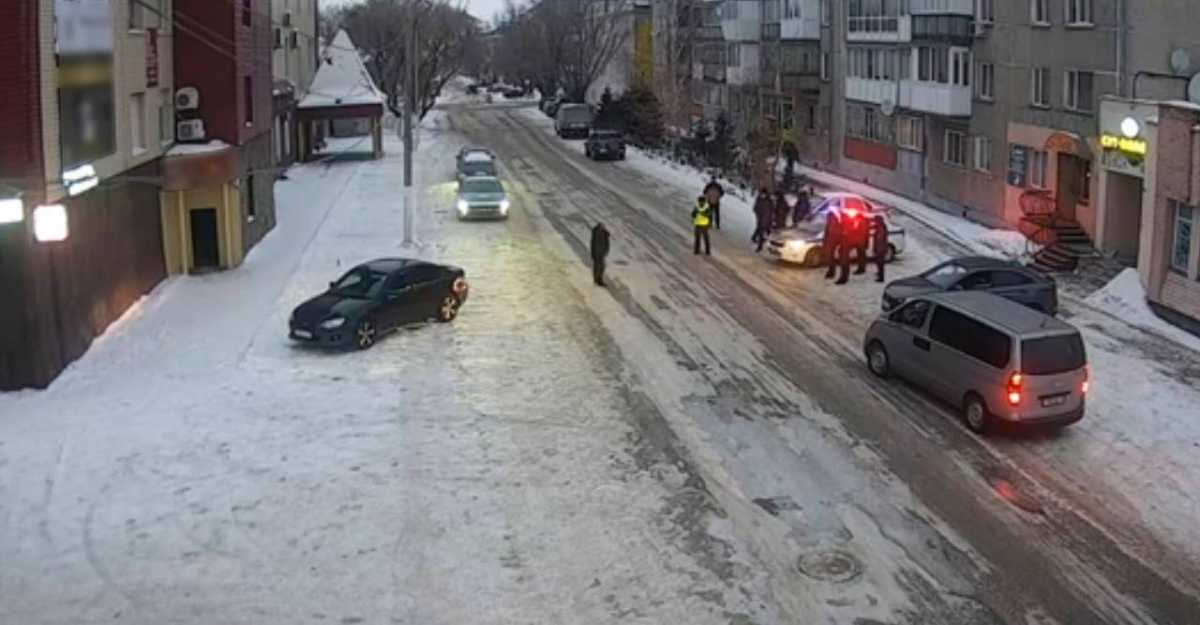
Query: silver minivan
x=995, y=359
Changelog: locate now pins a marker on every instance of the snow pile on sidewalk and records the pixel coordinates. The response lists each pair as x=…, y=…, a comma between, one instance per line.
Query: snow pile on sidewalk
x=1125, y=299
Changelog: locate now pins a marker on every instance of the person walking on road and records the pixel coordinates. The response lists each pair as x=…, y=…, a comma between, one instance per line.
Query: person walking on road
x=599, y=252
x=713, y=192
x=763, y=213
x=879, y=245
x=855, y=236
x=833, y=243
x=701, y=222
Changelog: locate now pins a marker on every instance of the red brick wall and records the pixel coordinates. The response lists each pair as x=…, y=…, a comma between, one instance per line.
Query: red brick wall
x=868, y=152
x=255, y=44
x=204, y=59
x=20, y=108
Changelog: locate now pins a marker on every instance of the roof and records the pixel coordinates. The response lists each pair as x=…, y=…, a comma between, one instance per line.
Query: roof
x=388, y=265
x=1006, y=313
x=478, y=156
x=342, y=79
x=982, y=262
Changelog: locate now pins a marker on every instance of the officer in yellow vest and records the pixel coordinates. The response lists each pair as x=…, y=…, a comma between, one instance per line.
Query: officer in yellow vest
x=702, y=221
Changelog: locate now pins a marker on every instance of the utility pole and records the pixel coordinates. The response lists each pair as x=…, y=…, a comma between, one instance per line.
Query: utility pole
x=410, y=102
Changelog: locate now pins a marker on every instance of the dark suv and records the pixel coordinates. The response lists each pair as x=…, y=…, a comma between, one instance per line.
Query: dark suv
x=1005, y=278
x=605, y=144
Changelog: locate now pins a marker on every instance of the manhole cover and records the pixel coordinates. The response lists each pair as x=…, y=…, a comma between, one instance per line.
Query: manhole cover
x=830, y=566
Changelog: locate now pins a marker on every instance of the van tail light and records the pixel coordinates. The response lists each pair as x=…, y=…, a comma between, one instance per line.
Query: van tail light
x=1014, y=388
x=1083, y=388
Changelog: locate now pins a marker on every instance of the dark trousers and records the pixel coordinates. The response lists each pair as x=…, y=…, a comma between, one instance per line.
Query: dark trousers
x=760, y=236
x=833, y=253
x=716, y=215
x=701, y=234
x=879, y=263
x=860, y=252
x=598, y=271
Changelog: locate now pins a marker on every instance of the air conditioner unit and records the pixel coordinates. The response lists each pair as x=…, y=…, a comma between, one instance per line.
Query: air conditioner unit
x=287, y=19
x=187, y=99
x=190, y=130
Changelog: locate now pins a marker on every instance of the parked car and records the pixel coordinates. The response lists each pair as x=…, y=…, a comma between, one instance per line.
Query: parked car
x=1005, y=278
x=497, y=88
x=377, y=297
x=994, y=359
x=605, y=144
x=473, y=88
x=481, y=197
x=514, y=92
x=573, y=120
x=475, y=162
x=805, y=244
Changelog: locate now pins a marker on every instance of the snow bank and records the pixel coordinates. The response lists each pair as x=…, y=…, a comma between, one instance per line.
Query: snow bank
x=1125, y=299
x=183, y=149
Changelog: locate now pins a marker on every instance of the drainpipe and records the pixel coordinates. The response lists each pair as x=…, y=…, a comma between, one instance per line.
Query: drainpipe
x=1122, y=41
x=1194, y=171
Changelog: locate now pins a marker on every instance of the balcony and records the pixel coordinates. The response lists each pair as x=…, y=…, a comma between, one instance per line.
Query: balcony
x=708, y=32
x=873, y=91
x=713, y=73
x=936, y=98
x=770, y=32
x=741, y=20
x=806, y=82
x=955, y=29
x=942, y=7
x=804, y=23
x=890, y=29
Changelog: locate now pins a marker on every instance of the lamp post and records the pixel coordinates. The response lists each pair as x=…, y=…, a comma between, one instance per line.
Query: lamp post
x=410, y=97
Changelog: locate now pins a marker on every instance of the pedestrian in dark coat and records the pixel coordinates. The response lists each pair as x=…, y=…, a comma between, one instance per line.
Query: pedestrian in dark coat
x=599, y=252
x=713, y=192
x=701, y=222
x=855, y=236
x=802, y=208
x=763, y=213
x=833, y=244
x=879, y=245
x=781, y=211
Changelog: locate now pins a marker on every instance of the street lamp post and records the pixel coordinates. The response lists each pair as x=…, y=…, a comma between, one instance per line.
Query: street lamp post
x=410, y=97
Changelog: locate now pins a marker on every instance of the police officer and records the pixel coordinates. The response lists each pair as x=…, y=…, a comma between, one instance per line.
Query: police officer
x=879, y=244
x=599, y=252
x=713, y=192
x=763, y=210
x=701, y=222
x=854, y=237
x=833, y=243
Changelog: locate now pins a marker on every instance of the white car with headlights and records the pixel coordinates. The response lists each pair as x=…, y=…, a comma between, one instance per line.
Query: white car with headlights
x=805, y=244
x=481, y=197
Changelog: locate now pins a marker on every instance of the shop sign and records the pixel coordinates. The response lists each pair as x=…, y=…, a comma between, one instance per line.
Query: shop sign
x=151, y=57
x=1134, y=146
x=1017, y=166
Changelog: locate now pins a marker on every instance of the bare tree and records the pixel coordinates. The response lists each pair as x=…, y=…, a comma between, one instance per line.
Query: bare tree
x=675, y=29
x=596, y=34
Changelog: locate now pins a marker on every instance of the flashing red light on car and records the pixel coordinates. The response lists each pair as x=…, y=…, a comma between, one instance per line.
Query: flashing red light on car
x=1083, y=388
x=1014, y=388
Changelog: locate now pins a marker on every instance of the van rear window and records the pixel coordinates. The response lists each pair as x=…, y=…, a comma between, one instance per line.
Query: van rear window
x=1052, y=354
x=971, y=337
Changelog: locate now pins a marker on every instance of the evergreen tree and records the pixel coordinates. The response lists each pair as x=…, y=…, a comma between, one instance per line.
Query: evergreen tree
x=607, y=116
x=720, y=151
x=645, y=120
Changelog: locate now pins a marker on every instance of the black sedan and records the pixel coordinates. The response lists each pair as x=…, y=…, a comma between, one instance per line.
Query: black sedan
x=1005, y=278
x=376, y=297
x=604, y=144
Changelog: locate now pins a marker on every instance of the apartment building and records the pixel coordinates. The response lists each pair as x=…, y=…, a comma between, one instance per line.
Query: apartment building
x=795, y=90
x=633, y=59
x=85, y=123
x=295, y=47
x=710, y=95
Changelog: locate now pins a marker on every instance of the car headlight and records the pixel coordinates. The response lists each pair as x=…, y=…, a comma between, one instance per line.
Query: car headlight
x=333, y=324
x=463, y=206
x=503, y=206
x=796, y=245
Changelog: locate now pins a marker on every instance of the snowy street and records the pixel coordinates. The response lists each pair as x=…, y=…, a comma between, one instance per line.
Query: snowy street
x=698, y=443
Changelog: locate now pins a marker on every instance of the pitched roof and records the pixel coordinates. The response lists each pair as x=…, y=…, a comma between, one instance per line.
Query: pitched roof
x=342, y=79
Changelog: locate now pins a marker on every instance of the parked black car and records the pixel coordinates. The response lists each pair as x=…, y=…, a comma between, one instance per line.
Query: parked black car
x=605, y=144
x=376, y=297
x=1008, y=279
x=514, y=92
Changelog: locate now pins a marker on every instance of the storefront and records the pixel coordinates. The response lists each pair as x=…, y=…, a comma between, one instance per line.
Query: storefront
x=202, y=218
x=1052, y=164
x=1149, y=191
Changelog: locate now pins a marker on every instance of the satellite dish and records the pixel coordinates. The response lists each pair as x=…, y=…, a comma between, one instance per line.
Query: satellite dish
x=1181, y=61
x=887, y=107
x=1194, y=89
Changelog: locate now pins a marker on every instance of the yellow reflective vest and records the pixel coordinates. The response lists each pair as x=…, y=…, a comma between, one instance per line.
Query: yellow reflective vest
x=700, y=216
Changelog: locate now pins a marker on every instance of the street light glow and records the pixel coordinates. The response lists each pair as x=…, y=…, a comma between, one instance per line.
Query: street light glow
x=50, y=223
x=12, y=211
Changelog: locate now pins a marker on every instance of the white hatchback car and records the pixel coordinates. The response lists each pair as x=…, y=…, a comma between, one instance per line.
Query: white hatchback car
x=805, y=244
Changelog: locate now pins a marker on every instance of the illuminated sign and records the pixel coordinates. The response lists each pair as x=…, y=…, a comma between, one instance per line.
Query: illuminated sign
x=80, y=179
x=50, y=223
x=1124, y=144
x=12, y=210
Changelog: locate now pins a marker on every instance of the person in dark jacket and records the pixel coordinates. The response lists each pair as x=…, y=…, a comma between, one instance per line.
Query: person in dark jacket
x=713, y=192
x=763, y=213
x=802, y=208
x=855, y=235
x=781, y=210
x=833, y=244
x=701, y=222
x=599, y=252
x=879, y=245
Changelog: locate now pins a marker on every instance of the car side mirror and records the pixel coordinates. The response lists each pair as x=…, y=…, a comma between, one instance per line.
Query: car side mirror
x=332, y=285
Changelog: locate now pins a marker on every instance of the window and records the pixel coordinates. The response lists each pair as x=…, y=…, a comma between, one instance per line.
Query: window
x=141, y=16
x=912, y=314
x=1040, y=87
x=278, y=38
x=733, y=55
x=826, y=12
x=294, y=40
x=954, y=148
x=729, y=10
x=1053, y=354
x=910, y=133
x=1037, y=168
x=824, y=66
x=876, y=16
x=1181, y=236
x=865, y=122
x=812, y=117
x=960, y=64
x=874, y=63
x=251, y=204
x=971, y=337
x=137, y=123
x=985, y=11
x=933, y=65
x=399, y=281
x=247, y=12
x=248, y=99
x=1002, y=279
x=1039, y=12
x=1079, y=91
x=983, y=154
x=1085, y=182
x=166, y=120
x=985, y=81
x=1078, y=12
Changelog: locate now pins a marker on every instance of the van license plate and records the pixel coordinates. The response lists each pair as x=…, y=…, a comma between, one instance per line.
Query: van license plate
x=1057, y=400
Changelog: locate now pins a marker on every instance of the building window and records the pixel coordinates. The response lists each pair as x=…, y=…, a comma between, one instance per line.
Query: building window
x=865, y=122
x=251, y=207
x=826, y=12
x=137, y=123
x=248, y=99
x=142, y=16
x=985, y=81
x=733, y=55
x=983, y=154
x=824, y=66
x=1037, y=168
x=954, y=148
x=985, y=11
x=729, y=10
x=910, y=133
x=1085, y=182
x=1079, y=91
x=1079, y=12
x=278, y=38
x=1040, y=87
x=812, y=117
x=1039, y=11
x=874, y=63
x=875, y=16
x=960, y=64
x=934, y=65
x=1181, y=236
x=247, y=12
x=294, y=40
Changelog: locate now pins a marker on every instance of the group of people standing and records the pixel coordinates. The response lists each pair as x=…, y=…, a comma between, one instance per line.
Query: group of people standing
x=851, y=230
x=771, y=212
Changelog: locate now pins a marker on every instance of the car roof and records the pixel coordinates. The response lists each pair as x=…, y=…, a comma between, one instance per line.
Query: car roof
x=481, y=177
x=985, y=262
x=1017, y=318
x=388, y=265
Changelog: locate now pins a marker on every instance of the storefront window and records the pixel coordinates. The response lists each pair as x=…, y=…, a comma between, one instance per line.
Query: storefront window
x=1181, y=240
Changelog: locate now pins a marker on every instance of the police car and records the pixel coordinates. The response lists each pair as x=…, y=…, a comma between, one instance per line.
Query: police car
x=805, y=244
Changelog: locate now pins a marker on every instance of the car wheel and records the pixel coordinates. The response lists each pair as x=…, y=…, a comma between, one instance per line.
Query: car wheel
x=447, y=308
x=815, y=257
x=891, y=254
x=365, y=334
x=976, y=415
x=877, y=359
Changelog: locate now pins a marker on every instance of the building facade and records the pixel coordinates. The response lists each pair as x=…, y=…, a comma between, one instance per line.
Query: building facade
x=88, y=89
x=295, y=46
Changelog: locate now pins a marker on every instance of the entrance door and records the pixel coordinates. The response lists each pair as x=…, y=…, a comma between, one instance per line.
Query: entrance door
x=1070, y=176
x=206, y=254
